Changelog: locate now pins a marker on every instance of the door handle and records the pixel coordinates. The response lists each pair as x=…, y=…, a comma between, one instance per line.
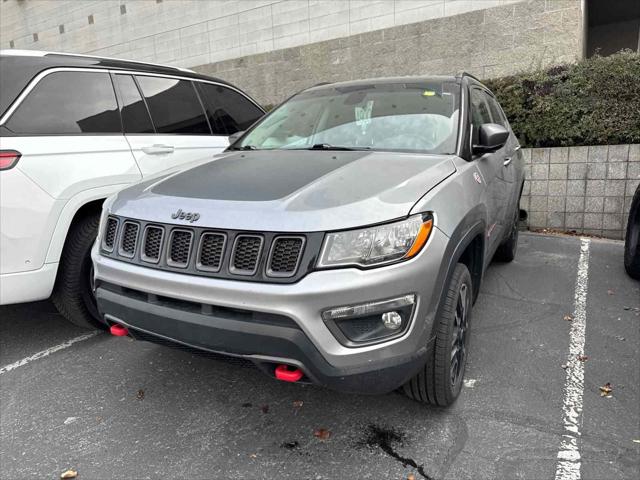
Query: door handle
x=507, y=161
x=157, y=149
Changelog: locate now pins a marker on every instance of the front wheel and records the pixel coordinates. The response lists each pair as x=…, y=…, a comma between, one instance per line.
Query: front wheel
x=73, y=292
x=440, y=380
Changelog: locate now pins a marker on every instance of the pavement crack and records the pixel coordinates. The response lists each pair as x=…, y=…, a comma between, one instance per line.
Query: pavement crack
x=386, y=439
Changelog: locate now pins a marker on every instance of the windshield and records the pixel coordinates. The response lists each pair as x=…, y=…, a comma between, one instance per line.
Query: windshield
x=413, y=117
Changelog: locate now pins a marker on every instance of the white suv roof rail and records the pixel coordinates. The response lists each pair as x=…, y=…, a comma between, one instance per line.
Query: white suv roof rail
x=42, y=53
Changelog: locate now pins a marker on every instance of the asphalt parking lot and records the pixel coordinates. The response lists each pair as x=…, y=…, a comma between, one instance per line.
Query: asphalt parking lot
x=114, y=408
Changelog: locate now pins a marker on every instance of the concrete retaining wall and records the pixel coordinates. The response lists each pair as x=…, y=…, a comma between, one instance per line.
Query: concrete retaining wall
x=585, y=189
x=487, y=43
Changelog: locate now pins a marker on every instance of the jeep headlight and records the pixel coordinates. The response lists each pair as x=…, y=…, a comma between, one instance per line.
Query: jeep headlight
x=376, y=245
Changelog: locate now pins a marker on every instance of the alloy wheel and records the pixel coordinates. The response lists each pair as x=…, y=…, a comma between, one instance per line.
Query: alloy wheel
x=460, y=337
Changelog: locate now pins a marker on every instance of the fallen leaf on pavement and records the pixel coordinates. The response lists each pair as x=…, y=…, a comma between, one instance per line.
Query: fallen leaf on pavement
x=610, y=292
x=568, y=318
x=322, y=434
x=411, y=476
x=606, y=390
x=564, y=366
x=265, y=408
x=298, y=403
x=583, y=358
x=253, y=455
x=69, y=474
x=140, y=394
x=636, y=441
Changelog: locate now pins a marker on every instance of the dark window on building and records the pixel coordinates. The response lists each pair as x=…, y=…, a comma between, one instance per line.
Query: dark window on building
x=68, y=103
x=612, y=26
x=90, y=18
x=61, y=28
x=12, y=44
x=123, y=9
x=228, y=110
x=135, y=116
x=35, y=37
x=174, y=106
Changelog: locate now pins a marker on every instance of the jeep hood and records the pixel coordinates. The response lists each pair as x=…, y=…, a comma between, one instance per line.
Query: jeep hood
x=292, y=191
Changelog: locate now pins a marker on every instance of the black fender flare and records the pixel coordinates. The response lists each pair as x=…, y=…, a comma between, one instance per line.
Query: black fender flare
x=472, y=226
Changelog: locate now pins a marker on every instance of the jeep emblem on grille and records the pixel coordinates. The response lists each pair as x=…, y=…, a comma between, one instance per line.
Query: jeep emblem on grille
x=189, y=216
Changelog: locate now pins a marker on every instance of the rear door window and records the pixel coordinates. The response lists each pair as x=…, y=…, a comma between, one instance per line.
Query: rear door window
x=228, y=110
x=135, y=116
x=68, y=103
x=174, y=106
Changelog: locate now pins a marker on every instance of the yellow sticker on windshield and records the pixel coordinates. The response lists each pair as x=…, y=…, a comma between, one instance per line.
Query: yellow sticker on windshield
x=428, y=93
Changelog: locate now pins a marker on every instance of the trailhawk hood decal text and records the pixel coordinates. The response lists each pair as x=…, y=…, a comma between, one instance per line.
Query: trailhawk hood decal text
x=290, y=191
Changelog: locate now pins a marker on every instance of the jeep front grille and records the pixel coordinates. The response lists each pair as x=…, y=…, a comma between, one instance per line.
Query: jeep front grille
x=110, y=234
x=211, y=251
x=152, y=243
x=245, y=255
x=284, y=257
x=239, y=255
x=129, y=239
x=179, y=248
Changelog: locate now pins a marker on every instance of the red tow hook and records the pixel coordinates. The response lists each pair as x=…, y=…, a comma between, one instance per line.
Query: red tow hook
x=118, y=330
x=286, y=375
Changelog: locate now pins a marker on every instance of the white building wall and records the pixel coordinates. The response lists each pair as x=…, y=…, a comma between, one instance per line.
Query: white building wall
x=197, y=32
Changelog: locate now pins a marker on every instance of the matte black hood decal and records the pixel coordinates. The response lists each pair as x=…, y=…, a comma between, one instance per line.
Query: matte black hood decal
x=255, y=176
x=289, y=191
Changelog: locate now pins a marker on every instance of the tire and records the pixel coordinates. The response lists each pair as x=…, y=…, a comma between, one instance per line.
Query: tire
x=632, y=239
x=72, y=293
x=506, y=251
x=440, y=380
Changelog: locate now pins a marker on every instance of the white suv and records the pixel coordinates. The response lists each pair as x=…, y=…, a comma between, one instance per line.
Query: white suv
x=75, y=129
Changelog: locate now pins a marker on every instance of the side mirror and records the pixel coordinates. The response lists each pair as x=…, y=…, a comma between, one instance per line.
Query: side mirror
x=233, y=138
x=491, y=137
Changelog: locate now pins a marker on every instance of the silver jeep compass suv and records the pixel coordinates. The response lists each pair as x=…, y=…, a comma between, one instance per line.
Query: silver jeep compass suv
x=340, y=241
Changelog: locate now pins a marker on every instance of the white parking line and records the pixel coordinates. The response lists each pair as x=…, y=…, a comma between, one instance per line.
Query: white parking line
x=45, y=353
x=568, y=467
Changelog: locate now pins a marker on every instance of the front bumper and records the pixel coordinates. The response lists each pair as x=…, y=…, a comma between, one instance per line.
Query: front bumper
x=199, y=312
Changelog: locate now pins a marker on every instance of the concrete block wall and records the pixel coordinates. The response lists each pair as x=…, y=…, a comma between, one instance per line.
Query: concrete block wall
x=582, y=189
x=488, y=43
x=272, y=48
x=195, y=32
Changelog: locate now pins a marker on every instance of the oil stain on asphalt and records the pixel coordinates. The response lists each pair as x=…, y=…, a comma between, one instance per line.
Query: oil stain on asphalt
x=387, y=440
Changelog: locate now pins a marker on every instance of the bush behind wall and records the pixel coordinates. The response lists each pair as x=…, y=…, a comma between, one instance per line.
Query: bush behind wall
x=593, y=102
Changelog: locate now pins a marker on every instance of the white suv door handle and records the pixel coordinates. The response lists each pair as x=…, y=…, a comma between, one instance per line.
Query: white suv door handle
x=157, y=149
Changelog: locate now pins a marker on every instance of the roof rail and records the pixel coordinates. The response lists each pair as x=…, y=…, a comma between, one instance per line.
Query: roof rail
x=467, y=74
x=43, y=53
x=320, y=84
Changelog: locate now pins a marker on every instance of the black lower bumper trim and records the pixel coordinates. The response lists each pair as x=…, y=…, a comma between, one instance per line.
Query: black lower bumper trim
x=264, y=344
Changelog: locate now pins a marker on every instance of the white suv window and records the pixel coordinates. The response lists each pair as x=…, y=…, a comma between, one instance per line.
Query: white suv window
x=68, y=103
x=229, y=111
x=174, y=106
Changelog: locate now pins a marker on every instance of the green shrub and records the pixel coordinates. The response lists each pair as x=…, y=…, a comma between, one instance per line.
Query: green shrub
x=592, y=102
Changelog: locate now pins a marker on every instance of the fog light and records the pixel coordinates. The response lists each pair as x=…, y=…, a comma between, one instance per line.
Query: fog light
x=392, y=320
x=370, y=322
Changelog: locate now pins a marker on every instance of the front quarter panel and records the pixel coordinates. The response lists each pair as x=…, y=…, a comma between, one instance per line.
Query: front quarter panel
x=458, y=201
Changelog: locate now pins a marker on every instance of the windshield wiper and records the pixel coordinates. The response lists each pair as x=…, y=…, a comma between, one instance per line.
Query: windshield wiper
x=327, y=146
x=244, y=147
